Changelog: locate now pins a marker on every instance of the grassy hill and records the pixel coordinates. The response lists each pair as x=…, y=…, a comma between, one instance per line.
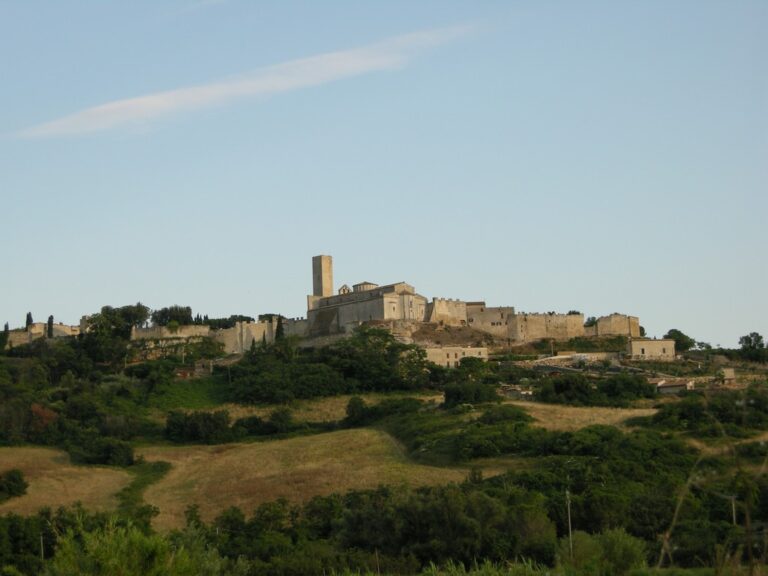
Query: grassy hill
x=54, y=481
x=246, y=475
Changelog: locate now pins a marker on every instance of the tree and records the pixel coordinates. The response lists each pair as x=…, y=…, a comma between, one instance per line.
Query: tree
x=753, y=347
x=49, y=327
x=4, y=337
x=682, y=341
x=182, y=315
x=279, y=330
x=29, y=320
x=642, y=331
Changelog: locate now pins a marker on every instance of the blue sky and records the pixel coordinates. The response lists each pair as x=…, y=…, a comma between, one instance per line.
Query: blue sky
x=599, y=156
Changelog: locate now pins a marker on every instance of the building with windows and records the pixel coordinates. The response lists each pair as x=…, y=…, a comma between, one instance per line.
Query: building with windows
x=650, y=349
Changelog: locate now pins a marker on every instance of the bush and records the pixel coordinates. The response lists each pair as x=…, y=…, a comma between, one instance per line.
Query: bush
x=470, y=393
x=12, y=484
x=612, y=552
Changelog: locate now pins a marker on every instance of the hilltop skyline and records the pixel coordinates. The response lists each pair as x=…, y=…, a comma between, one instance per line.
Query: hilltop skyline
x=600, y=157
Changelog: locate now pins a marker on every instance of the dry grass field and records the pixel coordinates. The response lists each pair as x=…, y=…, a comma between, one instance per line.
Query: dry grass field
x=560, y=417
x=54, y=481
x=246, y=475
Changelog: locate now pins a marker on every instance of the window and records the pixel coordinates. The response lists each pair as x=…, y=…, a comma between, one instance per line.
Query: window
x=455, y=354
x=663, y=350
x=448, y=355
x=642, y=351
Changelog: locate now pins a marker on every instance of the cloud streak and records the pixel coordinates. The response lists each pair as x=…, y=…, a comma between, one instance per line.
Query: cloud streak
x=316, y=70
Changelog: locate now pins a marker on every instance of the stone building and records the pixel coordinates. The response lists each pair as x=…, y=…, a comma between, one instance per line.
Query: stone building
x=614, y=325
x=530, y=327
x=451, y=356
x=649, y=349
x=366, y=301
x=329, y=313
x=492, y=320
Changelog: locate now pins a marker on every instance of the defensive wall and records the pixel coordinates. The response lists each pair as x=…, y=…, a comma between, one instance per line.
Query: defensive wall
x=37, y=331
x=528, y=327
x=446, y=311
x=236, y=340
x=165, y=333
x=615, y=325
x=492, y=320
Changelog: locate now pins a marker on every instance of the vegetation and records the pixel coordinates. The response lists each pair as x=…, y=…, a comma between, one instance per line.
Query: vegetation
x=683, y=343
x=12, y=484
x=730, y=413
x=370, y=360
x=578, y=390
x=172, y=315
x=753, y=348
x=631, y=496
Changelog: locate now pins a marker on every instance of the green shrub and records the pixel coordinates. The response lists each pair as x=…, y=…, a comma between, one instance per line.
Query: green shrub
x=12, y=484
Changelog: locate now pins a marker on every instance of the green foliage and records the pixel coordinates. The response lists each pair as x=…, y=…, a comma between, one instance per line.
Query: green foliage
x=753, y=348
x=370, y=360
x=12, y=484
x=4, y=335
x=180, y=315
x=578, y=390
x=584, y=344
x=131, y=503
x=198, y=427
x=470, y=393
x=194, y=394
x=683, y=342
x=360, y=414
x=610, y=553
x=738, y=413
x=128, y=551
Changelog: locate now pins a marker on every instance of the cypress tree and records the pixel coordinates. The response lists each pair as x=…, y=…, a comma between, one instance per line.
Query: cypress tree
x=29, y=320
x=280, y=330
x=4, y=337
x=50, y=326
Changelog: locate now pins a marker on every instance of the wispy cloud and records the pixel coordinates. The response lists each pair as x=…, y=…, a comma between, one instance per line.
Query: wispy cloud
x=293, y=75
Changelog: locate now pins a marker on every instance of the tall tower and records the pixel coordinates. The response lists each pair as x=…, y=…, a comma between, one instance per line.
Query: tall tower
x=322, y=276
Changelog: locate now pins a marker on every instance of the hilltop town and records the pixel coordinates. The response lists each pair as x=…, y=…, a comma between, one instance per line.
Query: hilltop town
x=447, y=328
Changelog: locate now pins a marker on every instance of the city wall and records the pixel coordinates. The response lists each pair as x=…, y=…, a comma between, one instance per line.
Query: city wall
x=527, y=327
x=165, y=333
x=492, y=320
x=447, y=311
x=615, y=325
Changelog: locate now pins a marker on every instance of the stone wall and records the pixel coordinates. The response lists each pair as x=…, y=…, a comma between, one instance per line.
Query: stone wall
x=447, y=311
x=451, y=356
x=528, y=327
x=618, y=325
x=37, y=331
x=239, y=338
x=164, y=333
x=492, y=320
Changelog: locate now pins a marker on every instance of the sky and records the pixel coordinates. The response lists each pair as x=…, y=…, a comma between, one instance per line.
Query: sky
x=598, y=156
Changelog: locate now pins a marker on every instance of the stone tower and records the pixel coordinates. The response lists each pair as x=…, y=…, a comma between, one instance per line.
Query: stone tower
x=322, y=276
